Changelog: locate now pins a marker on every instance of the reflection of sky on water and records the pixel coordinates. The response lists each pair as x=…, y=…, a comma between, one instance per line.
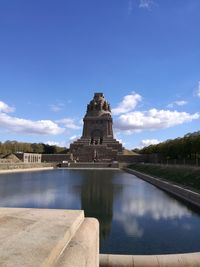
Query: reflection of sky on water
x=157, y=207
x=38, y=190
x=46, y=199
x=131, y=212
x=143, y=200
x=144, y=214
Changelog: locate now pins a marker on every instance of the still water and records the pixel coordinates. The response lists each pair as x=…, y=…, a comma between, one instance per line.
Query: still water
x=135, y=217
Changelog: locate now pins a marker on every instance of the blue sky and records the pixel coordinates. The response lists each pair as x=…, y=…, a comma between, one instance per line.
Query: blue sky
x=143, y=55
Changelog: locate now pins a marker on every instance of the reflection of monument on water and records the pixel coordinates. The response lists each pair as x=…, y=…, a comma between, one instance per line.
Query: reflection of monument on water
x=97, y=144
x=97, y=196
x=97, y=138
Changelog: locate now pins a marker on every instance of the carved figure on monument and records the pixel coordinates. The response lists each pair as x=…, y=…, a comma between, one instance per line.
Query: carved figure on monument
x=105, y=106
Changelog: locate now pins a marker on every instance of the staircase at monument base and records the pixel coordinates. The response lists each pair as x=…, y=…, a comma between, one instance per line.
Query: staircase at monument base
x=84, y=152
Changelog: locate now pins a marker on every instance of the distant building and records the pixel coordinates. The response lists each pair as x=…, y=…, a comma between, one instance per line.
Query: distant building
x=29, y=157
x=97, y=142
x=38, y=158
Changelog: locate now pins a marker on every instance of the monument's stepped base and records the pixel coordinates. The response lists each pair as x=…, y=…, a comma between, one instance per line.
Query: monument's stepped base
x=41, y=237
x=107, y=151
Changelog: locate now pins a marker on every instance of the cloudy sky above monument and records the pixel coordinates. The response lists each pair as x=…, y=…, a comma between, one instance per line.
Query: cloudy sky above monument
x=143, y=55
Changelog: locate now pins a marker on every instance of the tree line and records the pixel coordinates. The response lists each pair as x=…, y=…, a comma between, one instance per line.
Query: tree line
x=15, y=146
x=187, y=147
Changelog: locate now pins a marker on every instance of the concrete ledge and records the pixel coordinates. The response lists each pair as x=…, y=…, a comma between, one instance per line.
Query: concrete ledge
x=171, y=260
x=26, y=169
x=181, y=192
x=39, y=237
x=91, y=165
x=83, y=249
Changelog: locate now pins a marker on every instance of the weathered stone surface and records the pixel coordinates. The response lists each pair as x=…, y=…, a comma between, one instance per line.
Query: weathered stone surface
x=170, y=260
x=64, y=238
x=83, y=249
x=97, y=142
x=38, y=237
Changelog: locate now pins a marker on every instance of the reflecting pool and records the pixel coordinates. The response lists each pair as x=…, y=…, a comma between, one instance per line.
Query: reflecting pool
x=135, y=217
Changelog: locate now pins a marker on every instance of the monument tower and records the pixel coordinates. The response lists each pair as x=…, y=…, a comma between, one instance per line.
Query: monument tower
x=97, y=142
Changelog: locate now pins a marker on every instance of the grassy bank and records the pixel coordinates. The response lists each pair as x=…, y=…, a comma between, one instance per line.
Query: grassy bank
x=186, y=176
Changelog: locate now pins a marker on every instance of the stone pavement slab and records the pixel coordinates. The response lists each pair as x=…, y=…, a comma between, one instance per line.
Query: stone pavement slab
x=35, y=237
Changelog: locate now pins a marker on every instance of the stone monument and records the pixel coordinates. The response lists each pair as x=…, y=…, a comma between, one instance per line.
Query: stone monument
x=97, y=142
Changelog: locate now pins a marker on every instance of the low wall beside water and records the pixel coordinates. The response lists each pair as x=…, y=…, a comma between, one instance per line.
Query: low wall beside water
x=90, y=165
x=179, y=191
x=17, y=166
x=168, y=260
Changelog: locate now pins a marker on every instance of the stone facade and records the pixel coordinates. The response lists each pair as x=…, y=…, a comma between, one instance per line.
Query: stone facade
x=97, y=142
x=29, y=157
x=40, y=158
x=57, y=158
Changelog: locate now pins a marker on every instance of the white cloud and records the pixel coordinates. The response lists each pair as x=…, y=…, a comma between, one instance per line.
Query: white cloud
x=130, y=7
x=198, y=90
x=40, y=196
x=119, y=139
x=152, y=119
x=5, y=108
x=52, y=143
x=57, y=107
x=177, y=103
x=130, y=224
x=19, y=125
x=146, y=4
x=171, y=105
x=136, y=204
x=128, y=103
x=69, y=123
x=158, y=207
x=180, y=102
x=55, y=143
x=148, y=142
x=74, y=138
x=81, y=122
